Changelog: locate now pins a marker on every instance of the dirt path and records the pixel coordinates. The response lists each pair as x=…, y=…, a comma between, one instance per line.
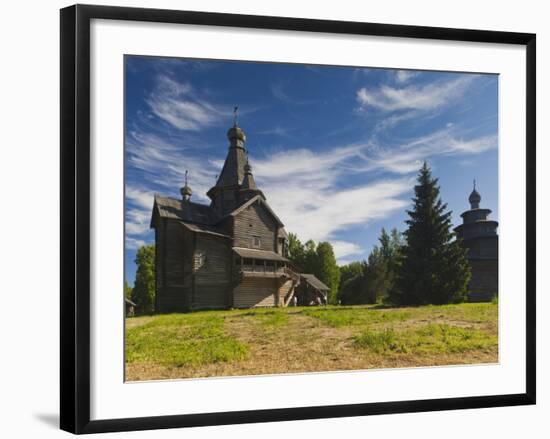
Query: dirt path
x=300, y=344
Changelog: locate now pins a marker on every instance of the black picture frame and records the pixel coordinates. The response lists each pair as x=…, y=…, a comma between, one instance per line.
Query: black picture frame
x=75, y=217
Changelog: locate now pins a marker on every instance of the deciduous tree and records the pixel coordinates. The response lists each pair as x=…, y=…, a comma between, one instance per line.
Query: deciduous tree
x=144, y=287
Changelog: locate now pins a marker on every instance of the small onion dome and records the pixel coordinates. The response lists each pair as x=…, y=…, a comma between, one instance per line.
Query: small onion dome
x=186, y=192
x=474, y=199
x=235, y=132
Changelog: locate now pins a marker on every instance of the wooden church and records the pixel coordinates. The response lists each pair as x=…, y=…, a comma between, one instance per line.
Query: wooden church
x=229, y=254
x=479, y=236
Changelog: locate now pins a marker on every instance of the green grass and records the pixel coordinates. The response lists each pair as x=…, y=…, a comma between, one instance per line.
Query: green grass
x=340, y=316
x=305, y=339
x=268, y=317
x=426, y=339
x=355, y=316
x=183, y=340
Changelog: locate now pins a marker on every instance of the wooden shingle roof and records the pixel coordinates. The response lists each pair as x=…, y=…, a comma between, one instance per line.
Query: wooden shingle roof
x=203, y=228
x=258, y=254
x=314, y=282
x=185, y=210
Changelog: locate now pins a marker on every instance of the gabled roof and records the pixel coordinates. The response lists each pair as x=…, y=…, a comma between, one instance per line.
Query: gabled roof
x=185, y=210
x=258, y=254
x=314, y=282
x=260, y=199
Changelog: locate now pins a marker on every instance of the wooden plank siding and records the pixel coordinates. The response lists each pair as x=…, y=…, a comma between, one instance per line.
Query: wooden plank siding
x=255, y=221
x=255, y=292
x=212, y=279
x=173, y=280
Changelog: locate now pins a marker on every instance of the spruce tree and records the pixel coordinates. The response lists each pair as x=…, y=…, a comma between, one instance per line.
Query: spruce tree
x=433, y=267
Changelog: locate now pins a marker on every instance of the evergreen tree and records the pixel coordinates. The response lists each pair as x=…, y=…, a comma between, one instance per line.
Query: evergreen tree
x=433, y=267
x=349, y=271
x=311, y=259
x=371, y=281
x=327, y=269
x=127, y=291
x=143, y=294
x=353, y=290
x=378, y=278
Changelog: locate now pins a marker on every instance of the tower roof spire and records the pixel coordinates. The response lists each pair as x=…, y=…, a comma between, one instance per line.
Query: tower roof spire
x=248, y=180
x=235, y=116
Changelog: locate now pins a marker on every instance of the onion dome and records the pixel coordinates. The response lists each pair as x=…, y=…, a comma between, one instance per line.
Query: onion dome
x=474, y=198
x=236, y=133
x=186, y=191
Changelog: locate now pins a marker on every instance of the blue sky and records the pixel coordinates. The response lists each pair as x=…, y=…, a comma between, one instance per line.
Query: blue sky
x=334, y=149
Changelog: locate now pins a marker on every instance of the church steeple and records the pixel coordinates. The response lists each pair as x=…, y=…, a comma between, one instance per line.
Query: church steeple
x=235, y=182
x=233, y=169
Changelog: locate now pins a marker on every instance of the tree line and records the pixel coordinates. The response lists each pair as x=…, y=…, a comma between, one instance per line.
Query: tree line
x=426, y=264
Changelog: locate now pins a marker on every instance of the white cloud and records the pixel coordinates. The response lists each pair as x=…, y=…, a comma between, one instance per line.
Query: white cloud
x=138, y=212
x=408, y=157
x=343, y=249
x=403, y=76
x=164, y=163
x=427, y=97
x=316, y=194
x=276, y=130
x=134, y=244
x=178, y=104
x=304, y=188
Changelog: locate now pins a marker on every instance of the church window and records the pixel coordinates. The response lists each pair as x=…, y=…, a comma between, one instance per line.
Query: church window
x=199, y=260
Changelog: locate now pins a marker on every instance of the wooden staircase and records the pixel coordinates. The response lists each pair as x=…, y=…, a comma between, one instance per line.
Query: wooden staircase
x=290, y=274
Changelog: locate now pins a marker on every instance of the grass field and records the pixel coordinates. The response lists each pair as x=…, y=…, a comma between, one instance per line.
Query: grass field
x=296, y=339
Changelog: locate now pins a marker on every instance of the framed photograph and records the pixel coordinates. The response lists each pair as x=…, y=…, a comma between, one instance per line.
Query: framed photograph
x=272, y=218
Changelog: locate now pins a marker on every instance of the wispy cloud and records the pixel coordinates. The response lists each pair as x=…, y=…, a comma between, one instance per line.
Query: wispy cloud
x=319, y=194
x=164, y=164
x=403, y=76
x=320, y=207
x=276, y=131
x=413, y=97
x=408, y=156
x=178, y=104
x=278, y=91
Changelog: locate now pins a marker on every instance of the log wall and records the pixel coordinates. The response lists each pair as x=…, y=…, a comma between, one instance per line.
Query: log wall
x=255, y=220
x=212, y=279
x=255, y=292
